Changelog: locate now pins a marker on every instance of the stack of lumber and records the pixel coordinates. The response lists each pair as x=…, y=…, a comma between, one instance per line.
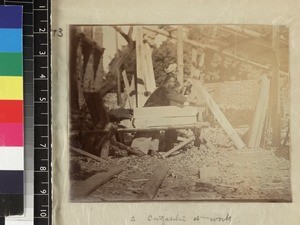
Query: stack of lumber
x=164, y=116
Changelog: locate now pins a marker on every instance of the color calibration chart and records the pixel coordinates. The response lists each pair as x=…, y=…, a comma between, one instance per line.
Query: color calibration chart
x=25, y=115
x=11, y=111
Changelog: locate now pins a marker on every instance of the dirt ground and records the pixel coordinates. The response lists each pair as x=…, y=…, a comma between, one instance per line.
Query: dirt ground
x=195, y=173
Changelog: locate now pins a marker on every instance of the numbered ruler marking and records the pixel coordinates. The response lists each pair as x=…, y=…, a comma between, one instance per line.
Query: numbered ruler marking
x=42, y=113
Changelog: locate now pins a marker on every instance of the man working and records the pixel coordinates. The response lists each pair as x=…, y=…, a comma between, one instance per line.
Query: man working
x=164, y=95
x=168, y=92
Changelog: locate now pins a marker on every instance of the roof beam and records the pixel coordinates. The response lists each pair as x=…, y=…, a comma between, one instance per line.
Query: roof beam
x=203, y=46
x=229, y=30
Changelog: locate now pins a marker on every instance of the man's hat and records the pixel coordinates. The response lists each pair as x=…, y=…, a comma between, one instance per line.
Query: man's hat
x=171, y=68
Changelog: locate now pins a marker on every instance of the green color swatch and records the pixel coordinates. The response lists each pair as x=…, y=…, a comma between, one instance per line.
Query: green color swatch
x=11, y=64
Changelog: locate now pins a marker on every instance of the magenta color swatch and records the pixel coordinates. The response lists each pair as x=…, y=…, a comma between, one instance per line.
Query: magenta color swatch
x=11, y=134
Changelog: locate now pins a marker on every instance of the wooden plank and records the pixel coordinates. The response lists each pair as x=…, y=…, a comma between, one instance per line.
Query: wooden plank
x=152, y=185
x=131, y=94
x=179, y=138
x=286, y=136
x=220, y=116
x=263, y=119
x=151, y=84
x=178, y=147
x=81, y=152
x=87, y=187
x=107, y=139
x=128, y=149
x=96, y=108
x=153, y=122
x=148, y=75
x=165, y=111
x=184, y=126
x=127, y=88
x=259, y=114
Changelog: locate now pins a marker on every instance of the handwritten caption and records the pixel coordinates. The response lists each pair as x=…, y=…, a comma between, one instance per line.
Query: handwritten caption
x=181, y=219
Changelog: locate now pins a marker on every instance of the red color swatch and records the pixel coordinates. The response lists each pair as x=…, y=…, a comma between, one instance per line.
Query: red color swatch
x=11, y=111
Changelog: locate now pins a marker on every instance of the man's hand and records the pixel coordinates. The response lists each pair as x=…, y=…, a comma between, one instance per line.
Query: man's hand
x=191, y=99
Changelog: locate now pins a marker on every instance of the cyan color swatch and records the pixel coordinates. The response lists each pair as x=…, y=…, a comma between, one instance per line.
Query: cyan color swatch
x=11, y=40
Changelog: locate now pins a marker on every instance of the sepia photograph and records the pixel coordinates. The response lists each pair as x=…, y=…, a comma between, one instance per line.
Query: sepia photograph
x=179, y=113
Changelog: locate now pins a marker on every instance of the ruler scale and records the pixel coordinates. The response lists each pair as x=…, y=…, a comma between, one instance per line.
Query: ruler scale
x=28, y=104
x=42, y=113
x=37, y=108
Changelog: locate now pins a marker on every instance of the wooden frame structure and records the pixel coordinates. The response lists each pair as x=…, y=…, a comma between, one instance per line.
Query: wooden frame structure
x=243, y=34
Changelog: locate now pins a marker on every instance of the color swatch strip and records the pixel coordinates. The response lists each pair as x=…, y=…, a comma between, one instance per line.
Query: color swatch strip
x=11, y=109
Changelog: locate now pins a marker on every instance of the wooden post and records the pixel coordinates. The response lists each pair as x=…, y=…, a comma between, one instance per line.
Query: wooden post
x=275, y=97
x=98, y=35
x=119, y=99
x=93, y=32
x=194, y=62
x=180, y=54
x=107, y=141
x=149, y=75
x=118, y=75
x=74, y=68
x=96, y=108
x=141, y=99
x=260, y=114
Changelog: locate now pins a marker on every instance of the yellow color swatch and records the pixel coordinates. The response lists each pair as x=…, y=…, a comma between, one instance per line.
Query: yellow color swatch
x=11, y=88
